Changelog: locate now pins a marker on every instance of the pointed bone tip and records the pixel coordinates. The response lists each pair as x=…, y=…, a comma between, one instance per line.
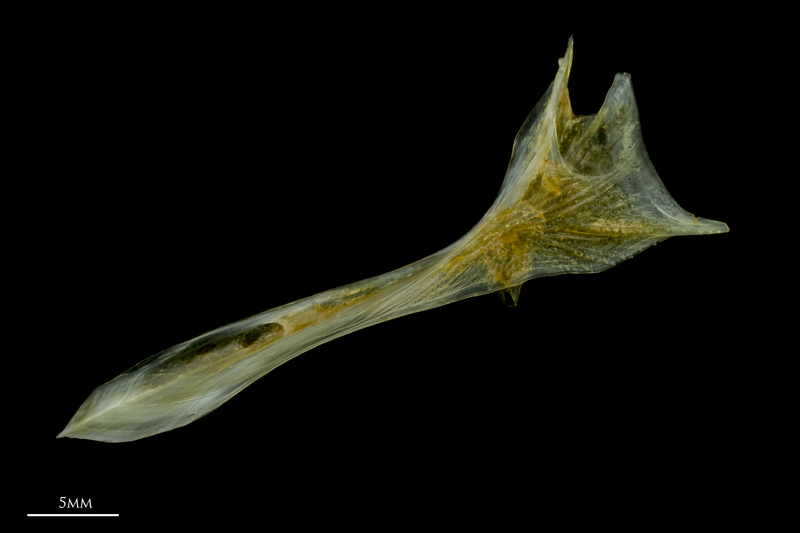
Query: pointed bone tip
x=68, y=431
x=71, y=430
x=700, y=226
x=565, y=63
x=712, y=226
x=690, y=225
x=622, y=82
x=568, y=53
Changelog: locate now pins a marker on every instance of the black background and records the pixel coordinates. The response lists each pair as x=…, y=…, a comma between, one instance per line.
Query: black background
x=189, y=170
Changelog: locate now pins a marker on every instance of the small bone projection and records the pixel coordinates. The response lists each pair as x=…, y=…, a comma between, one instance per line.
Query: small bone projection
x=580, y=195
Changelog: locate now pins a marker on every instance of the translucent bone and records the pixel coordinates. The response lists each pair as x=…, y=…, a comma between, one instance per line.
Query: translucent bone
x=580, y=195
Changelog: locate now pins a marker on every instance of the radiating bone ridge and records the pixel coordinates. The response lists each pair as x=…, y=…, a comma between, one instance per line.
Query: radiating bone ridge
x=580, y=195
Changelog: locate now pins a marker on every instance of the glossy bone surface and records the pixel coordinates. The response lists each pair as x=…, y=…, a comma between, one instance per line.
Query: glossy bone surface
x=580, y=195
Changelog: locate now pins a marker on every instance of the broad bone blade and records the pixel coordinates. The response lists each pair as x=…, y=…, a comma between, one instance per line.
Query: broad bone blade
x=580, y=195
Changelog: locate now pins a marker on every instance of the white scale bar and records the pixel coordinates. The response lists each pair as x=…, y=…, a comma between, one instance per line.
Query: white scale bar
x=73, y=514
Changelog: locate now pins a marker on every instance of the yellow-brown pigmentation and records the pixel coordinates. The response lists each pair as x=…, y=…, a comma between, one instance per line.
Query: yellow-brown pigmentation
x=571, y=213
x=333, y=307
x=215, y=353
x=322, y=310
x=580, y=195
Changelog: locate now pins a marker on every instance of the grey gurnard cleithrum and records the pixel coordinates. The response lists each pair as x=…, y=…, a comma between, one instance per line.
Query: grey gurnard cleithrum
x=580, y=195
